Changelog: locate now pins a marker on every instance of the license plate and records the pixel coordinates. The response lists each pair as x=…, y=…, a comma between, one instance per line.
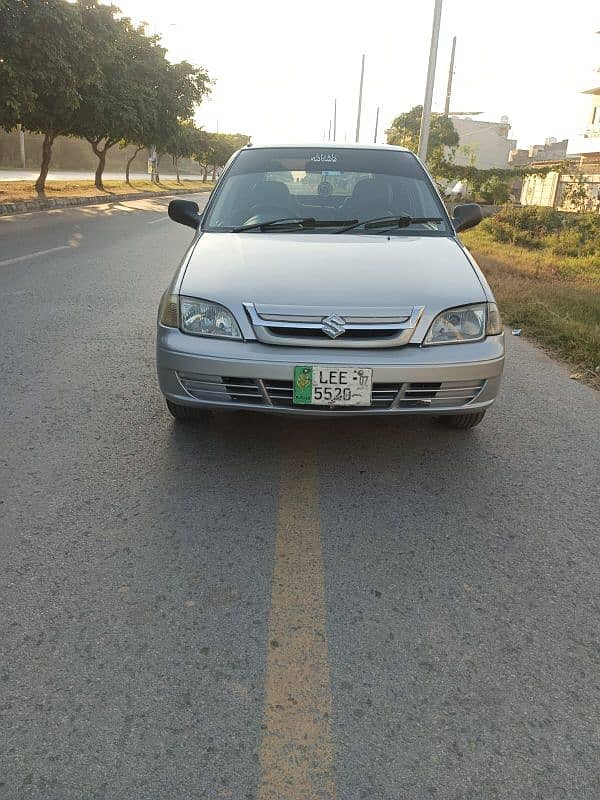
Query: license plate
x=331, y=386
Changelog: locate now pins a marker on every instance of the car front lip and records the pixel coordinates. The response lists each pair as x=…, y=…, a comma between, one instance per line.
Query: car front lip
x=181, y=355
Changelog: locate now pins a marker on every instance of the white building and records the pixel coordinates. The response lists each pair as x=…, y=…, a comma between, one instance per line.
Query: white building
x=584, y=150
x=588, y=141
x=484, y=145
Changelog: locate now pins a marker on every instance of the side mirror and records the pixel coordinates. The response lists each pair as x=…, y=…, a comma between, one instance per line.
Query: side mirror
x=466, y=216
x=185, y=212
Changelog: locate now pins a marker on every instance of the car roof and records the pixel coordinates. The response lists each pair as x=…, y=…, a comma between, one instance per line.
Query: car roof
x=328, y=146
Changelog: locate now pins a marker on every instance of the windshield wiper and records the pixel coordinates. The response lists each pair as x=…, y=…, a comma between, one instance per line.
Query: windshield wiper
x=306, y=223
x=402, y=221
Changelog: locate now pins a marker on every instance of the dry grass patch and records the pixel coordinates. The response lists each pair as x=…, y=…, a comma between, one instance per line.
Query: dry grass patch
x=556, y=301
x=17, y=191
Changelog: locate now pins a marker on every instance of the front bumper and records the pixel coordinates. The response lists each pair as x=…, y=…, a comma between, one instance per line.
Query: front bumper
x=217, y=373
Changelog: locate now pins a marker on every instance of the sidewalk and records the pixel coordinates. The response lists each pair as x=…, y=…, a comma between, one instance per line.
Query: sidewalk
x=87, y=175
x=24, y=206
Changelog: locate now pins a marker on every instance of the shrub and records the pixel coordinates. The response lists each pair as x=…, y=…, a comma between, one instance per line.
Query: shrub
x=565, y=234
x=525, y=226
x=579, y=237
x=528, y=239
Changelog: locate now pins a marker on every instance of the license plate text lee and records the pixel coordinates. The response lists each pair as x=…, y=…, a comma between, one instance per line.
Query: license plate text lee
x=333, y=386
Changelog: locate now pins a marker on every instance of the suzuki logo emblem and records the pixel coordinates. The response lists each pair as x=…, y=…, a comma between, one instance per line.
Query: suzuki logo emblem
x=333, y=326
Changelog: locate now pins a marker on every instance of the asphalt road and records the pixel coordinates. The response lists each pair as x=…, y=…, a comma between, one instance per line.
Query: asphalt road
x=266, y=609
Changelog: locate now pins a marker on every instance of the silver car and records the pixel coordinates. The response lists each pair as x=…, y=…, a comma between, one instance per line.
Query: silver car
x=328, y=280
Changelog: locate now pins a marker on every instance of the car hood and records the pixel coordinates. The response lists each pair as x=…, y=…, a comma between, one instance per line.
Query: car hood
x=334, y=270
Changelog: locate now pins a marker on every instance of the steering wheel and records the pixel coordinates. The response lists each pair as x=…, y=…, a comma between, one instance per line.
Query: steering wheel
x=271, y=211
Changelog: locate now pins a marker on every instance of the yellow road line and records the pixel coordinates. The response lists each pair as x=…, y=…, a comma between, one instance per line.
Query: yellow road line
x=297, y=756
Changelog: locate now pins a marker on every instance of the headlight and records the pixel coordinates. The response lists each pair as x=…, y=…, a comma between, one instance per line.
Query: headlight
x=456, y=325
x=207, y=319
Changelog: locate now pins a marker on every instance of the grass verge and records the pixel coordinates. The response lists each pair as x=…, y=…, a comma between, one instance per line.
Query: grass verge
x=17, y=191
x=556, y=301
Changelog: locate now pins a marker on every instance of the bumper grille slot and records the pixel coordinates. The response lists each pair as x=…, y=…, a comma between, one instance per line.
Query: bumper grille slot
x=222, y=389
x=281, y=394
x=439, y=395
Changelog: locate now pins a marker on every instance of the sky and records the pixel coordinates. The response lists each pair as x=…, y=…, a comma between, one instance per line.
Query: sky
x=279, y=65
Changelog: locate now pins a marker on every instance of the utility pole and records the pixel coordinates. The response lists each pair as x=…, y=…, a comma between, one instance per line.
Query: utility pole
x=426, y=118
x=329, y=137
x=360, y=90
x=334, y=118
x=376, y=125
x=450, y=76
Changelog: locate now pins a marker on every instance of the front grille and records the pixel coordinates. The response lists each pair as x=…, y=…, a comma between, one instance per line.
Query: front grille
x=317, y=336
x=306, y=326
x=280, y=393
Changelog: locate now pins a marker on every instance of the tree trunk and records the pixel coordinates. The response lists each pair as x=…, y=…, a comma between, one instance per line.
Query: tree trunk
x=157, y=172
x=101, y=155
x=205, y=168
x=214, y=173
x=129, y=163
x=40, y=184
x=177, y=170
x=100, y=169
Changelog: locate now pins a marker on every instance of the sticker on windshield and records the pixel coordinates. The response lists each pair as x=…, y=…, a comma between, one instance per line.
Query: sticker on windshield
x=328, y=157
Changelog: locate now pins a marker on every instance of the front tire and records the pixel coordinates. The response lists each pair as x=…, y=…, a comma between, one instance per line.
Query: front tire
x=462, y=421
x=186, y=413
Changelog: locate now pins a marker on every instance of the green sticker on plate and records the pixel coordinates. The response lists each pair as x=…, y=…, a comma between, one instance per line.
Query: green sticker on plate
x=303, y=385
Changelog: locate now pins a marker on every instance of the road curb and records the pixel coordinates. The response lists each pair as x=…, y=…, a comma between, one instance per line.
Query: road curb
x=67, y=202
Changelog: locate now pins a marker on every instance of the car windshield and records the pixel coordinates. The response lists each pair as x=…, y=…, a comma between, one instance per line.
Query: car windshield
x=326, y=184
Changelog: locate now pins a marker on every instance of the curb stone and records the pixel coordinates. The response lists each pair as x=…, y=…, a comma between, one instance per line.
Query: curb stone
x=24, y=206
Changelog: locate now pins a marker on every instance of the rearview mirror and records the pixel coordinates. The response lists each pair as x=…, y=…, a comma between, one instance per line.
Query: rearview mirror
x=185, y=212
x=466, y=216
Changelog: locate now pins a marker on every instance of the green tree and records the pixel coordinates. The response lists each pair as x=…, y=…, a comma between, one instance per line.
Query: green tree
x=225, y=146
x=203, y=152
x=180, y=92
x=405, y=130
x=16, y=92
x=140, y=97
x=496, y=190
x=217, y=148
x=45, y=69
x=175, y=91
x=186, y=140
